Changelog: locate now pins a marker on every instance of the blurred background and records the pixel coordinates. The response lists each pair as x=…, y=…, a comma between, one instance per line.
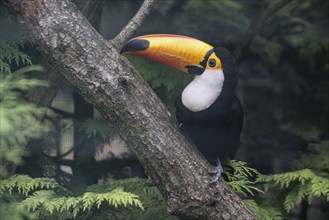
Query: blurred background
x=282, y=52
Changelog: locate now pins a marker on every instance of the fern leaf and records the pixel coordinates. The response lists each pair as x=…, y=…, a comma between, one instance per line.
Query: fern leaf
x=263, y=213
x=302, y=185
x=75, y=211
x=319, y=186
x=50, y=206
x=25, y=184
x=238, y=174
x=18, y=118
x=4, y=67
x=99, y=199
x=119, y=197
x=285, y=179
x=38, y=199
x=9, y=51
x=70, y=203
x=294, y=197
x=88, y=199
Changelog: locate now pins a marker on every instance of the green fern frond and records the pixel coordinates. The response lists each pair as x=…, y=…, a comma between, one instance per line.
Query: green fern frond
x=263, y=213
x=148, y=194
x=294, y=197
x=239, y=169
x=88, y=199
x=285, y=179
x=302, y=185
x=19, y=81
x=116, y=198
x=4, y=67
x=10, y=52
x=238, y=175
x=19, y=119
x=38, y=199
x=319, y=186
x=51, y=203
x=47, y=200
x=25, y=184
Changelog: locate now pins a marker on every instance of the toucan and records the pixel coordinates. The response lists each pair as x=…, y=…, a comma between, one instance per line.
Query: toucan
x=207, y=109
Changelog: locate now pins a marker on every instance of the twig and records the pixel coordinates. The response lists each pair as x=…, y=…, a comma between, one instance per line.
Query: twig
x=255, y=25
x=132, y=25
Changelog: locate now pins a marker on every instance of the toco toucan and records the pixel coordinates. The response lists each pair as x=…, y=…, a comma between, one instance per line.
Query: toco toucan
x=208, y=110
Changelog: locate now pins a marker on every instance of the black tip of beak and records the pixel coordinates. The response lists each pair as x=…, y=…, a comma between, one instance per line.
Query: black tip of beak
x=135, y=45
x=195, y=70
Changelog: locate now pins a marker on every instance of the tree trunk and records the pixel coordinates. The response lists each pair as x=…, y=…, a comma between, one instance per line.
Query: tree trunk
x=112, y=85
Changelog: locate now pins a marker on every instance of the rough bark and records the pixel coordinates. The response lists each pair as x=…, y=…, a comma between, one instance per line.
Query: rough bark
x=112, y=85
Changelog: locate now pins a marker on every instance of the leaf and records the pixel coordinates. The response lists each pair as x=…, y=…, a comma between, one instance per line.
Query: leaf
x=238, y=175
x=25, y=184
x=263, y=213
x=301, y=184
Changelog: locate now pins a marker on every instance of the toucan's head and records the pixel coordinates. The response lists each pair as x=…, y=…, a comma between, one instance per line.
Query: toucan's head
x=184, y=53
x=211, y=66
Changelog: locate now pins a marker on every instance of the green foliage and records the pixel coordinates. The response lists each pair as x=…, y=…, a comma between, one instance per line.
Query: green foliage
x=12, y=39
x=94, y=126
x=309, y=180
x=10, y=52
x=149, y=195
x=114, y=198
x=16, y=188
x=239, y=175
x=25, y=184
x=46, y=199
x=303, y=184
x=47, y=202
x=263, y=213
x=19, y=118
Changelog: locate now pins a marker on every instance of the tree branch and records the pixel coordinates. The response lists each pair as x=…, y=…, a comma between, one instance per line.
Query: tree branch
x=115, y=88
x=254, y=27
x=132, y=25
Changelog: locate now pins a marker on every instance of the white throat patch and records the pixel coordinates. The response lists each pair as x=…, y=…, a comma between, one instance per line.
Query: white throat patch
x=203, y=91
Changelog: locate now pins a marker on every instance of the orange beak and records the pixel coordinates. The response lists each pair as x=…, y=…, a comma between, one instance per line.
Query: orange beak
x=184, y=53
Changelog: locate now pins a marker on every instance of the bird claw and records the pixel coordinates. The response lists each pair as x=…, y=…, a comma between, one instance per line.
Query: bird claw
x=217, y=172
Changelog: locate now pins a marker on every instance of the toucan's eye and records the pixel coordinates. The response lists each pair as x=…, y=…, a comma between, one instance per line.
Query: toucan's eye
x=212, y=62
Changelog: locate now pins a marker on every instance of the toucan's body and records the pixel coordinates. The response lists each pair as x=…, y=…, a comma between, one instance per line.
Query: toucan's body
x=208, y=110
x=215, y=133
x=216, y=129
